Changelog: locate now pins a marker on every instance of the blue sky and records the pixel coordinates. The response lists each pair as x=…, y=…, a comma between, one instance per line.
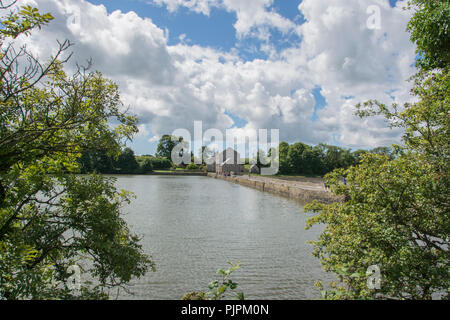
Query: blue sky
x=297, y=66
x=215, y=30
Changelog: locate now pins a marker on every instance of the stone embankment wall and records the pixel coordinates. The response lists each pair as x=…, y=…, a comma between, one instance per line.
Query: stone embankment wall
x=293, y=191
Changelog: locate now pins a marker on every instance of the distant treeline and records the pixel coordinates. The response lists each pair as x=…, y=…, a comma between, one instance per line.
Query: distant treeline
x=126, y=163
x=302, y=159
x=295, y=159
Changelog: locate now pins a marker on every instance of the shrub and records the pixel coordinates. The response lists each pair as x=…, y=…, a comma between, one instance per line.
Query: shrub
x=146, y=166
x=192, y=166
x=157, y=163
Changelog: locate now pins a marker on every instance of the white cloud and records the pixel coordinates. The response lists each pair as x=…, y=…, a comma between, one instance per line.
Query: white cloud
x=346, y=58
x=143, y=131
x=254, y=17
x=154, y=139
x=171, y=86
x=199, y=6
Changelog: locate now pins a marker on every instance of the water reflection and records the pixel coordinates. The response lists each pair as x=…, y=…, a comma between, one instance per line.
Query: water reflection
x=194, y=225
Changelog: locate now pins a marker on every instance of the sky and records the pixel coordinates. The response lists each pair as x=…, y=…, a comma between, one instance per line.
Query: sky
x=297, y=66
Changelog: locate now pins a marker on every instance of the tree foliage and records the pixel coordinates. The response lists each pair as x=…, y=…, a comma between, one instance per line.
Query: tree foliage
x=51, y=218
x=157, y=163
x=430, y=31
x=126, y=162
x=166, y=145
x=303, y=159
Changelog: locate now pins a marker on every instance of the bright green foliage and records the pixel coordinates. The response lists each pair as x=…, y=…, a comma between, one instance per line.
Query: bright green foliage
x=397, y=214
x=51, y=218
x=295, y=157
x=302, y=159
x=397, y=211
x=396, y=217
x=192, y=166
x=217, y=289
x=430, y=31
x=22, y=22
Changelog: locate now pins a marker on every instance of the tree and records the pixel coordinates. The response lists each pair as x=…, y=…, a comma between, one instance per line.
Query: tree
x=283, y=150
x=347, y=158
x=96, y=161
x=50, y=218
x=312, y=161
x=335, y=157
x=358, y=155
x=384, y=151
x=430, y=31
x=166, y=145
x=126, y=162
x=398, y=214
x=295, y=158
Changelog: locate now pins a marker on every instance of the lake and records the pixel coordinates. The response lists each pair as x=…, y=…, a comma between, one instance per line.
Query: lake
x=193, y=226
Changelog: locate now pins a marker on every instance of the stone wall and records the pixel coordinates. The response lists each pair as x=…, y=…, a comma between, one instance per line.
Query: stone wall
x=293, y=192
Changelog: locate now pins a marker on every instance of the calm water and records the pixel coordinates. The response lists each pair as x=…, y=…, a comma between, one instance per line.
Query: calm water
x=194, y=225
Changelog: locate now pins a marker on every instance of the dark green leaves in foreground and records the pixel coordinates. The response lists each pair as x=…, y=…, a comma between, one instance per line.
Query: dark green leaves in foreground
x=62, y=235
x=430, y=31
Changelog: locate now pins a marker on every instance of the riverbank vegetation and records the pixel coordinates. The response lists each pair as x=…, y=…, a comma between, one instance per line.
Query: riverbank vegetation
x=303, y=159
x=297, y=159
x=125, y=162
x=56, y=225
x=397, y=215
